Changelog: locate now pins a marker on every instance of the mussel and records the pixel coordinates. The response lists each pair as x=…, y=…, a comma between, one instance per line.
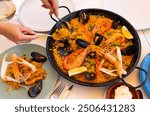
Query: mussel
x=63, y=51
x=130, y=50
x=64, y=41
x=98, y=39
x=82, y=43
x=35, y=89
x=114, y=25
x=38, y=57
x=83, y=18
x=90, y=76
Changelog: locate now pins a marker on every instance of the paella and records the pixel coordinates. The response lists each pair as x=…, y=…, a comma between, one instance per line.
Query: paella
x=93, y=48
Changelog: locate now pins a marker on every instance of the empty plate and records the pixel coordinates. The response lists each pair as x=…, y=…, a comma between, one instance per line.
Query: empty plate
x=32, y=15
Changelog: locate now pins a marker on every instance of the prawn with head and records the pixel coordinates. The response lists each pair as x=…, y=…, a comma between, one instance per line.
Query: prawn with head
x=15, y=61
x=76, y=59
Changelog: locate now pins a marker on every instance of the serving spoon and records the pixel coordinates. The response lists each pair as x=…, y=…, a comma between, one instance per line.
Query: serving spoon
x=42, y=34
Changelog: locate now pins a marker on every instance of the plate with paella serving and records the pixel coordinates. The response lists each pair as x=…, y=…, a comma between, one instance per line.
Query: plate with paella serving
x=93, y=47
x=26, y=73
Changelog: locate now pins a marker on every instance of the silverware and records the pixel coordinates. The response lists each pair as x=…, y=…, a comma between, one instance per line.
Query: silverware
x=42, y=34
x=57, y=92
x=66, y=93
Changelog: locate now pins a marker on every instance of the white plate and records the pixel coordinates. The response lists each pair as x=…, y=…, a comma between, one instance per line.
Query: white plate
x=21, y=93
x=135, y=11
x=32, y=15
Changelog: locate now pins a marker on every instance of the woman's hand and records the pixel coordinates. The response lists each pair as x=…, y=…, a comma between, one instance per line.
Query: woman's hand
x=17, y=33
x=51, y=5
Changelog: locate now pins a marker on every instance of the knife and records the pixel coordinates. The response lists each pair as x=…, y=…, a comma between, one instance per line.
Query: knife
x=65, y=94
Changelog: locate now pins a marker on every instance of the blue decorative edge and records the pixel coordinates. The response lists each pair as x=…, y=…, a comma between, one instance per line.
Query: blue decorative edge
x=144, y=65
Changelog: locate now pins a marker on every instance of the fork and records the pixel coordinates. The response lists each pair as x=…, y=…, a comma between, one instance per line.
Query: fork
x=57, y=91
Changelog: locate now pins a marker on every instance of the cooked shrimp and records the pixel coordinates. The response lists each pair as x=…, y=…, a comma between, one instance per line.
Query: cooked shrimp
x=115, y=37
x=75, y=59
x=15, y=68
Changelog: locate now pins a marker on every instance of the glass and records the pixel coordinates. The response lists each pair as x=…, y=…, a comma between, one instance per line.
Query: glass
x=8, y=10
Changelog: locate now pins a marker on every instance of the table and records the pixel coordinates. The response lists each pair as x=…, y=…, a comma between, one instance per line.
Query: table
x=82, y=92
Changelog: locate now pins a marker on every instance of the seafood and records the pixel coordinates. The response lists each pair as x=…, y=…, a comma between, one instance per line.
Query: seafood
x=4, y=68
x=130, y=50
x=76, y=59
x=35, y=89
x=109, y=72
x=38, y=57
x=63, y=51
x=101, y=26
x=83, y=18
x=98, y=39
x=96, y=43
x=15, y=60
x=15, y=69
x=115, y=37
x=90, y=76
x=115, y=25
x=82, y=43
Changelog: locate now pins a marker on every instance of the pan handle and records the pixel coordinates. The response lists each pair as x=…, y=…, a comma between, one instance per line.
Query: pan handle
x=57, y=17
x=140, y=85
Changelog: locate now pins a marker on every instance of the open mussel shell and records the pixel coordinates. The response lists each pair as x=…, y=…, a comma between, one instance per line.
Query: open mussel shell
x=83, y=18
x=115, y=25
x=38, y=57
x=64, y=41
x=63, y=51
x=82, y=43
x=35, y=89
x=90, y=76
x=98, y=39
x=130, y=50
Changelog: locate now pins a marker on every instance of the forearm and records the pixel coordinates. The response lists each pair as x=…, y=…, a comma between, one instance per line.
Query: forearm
x=3, y=26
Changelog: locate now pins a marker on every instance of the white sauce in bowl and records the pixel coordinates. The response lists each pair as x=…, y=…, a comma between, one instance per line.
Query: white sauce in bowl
x=123, y=92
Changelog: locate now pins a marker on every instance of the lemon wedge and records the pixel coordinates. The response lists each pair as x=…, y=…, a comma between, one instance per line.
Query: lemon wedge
x=126, y=33
x=77, y=70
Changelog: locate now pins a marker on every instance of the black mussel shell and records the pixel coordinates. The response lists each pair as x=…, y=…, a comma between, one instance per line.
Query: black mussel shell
x=82, y=43
x=98, y=39
x=83, y=18
x=130, y=50
x=63, y=51
x=38, y=57
x=92, y=54
x=35, y=89
x=64, y=41
x=90, y=76
x=114, y=25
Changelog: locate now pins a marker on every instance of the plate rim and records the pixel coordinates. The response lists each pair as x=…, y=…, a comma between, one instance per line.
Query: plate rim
x=22, y=22
x=48, y=63
x=144, y=65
